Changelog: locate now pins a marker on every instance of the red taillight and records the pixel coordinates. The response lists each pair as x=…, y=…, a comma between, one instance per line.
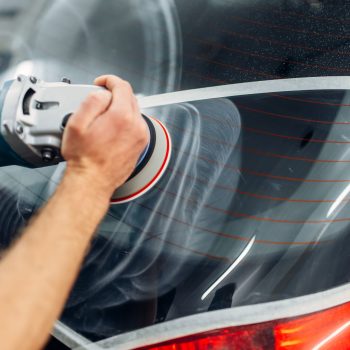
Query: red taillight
x=325, y=330
x=329, y=329
x=257, y=337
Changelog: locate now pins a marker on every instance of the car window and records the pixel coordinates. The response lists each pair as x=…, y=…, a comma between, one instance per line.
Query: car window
x=82, y=39
x=248, y=40
x=254, y=205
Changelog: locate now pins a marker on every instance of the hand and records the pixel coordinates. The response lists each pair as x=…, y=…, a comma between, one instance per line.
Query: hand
x=103, y=140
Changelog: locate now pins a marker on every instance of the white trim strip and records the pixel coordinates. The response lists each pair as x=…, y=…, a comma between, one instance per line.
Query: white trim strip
x=237, y=316
x=69, y=337
x=251, y=88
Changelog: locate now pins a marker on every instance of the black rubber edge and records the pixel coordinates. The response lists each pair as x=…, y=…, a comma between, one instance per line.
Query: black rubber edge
x=152, y=144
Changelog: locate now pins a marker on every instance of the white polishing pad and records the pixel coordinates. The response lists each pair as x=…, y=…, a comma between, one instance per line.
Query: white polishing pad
x=151, y=173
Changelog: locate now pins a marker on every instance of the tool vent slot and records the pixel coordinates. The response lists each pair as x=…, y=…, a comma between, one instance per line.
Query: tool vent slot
x=26, y=101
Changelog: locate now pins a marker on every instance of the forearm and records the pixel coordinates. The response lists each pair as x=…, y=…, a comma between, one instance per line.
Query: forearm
x=38, y=272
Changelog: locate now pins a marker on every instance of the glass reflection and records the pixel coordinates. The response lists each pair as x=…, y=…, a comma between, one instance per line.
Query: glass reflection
x=270, y=166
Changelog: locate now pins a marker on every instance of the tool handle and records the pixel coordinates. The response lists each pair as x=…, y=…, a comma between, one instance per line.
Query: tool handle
x=33, y=114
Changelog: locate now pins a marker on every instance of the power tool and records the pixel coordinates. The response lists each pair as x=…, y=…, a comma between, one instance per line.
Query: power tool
x=34, y=114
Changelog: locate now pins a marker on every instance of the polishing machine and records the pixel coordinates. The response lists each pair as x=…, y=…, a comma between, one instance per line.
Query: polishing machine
x=34, y=114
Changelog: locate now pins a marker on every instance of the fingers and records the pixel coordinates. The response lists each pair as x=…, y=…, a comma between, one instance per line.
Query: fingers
x=94, y=105
x=124, y=109
x=124, y=99
x=135, y=105
x=108, y=81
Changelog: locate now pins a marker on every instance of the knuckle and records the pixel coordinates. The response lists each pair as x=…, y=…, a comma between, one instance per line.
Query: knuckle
x=112, y=78
x=143, y=135
x=112, y=81
x=94, y=98
x=127, y=86
x=74, y=127
x=122, y=122
x=114, y=111
x=135, y=104
x=86, y=105
x=143, y=141
x=120, y=113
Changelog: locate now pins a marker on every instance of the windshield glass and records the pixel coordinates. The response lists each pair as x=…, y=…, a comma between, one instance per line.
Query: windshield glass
x=254, y=205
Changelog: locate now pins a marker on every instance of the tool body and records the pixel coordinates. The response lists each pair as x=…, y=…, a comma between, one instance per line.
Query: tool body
x=33, y=115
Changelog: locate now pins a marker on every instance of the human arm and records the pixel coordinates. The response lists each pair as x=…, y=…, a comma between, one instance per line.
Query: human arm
x=101, y=144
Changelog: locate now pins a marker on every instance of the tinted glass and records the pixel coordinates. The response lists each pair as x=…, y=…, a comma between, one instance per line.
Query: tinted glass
x=247, y=40
x=253, y=207
x=176, y=44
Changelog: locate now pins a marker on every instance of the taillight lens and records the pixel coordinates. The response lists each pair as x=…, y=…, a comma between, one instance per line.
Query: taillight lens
x=256, y=337
x=328, y=329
